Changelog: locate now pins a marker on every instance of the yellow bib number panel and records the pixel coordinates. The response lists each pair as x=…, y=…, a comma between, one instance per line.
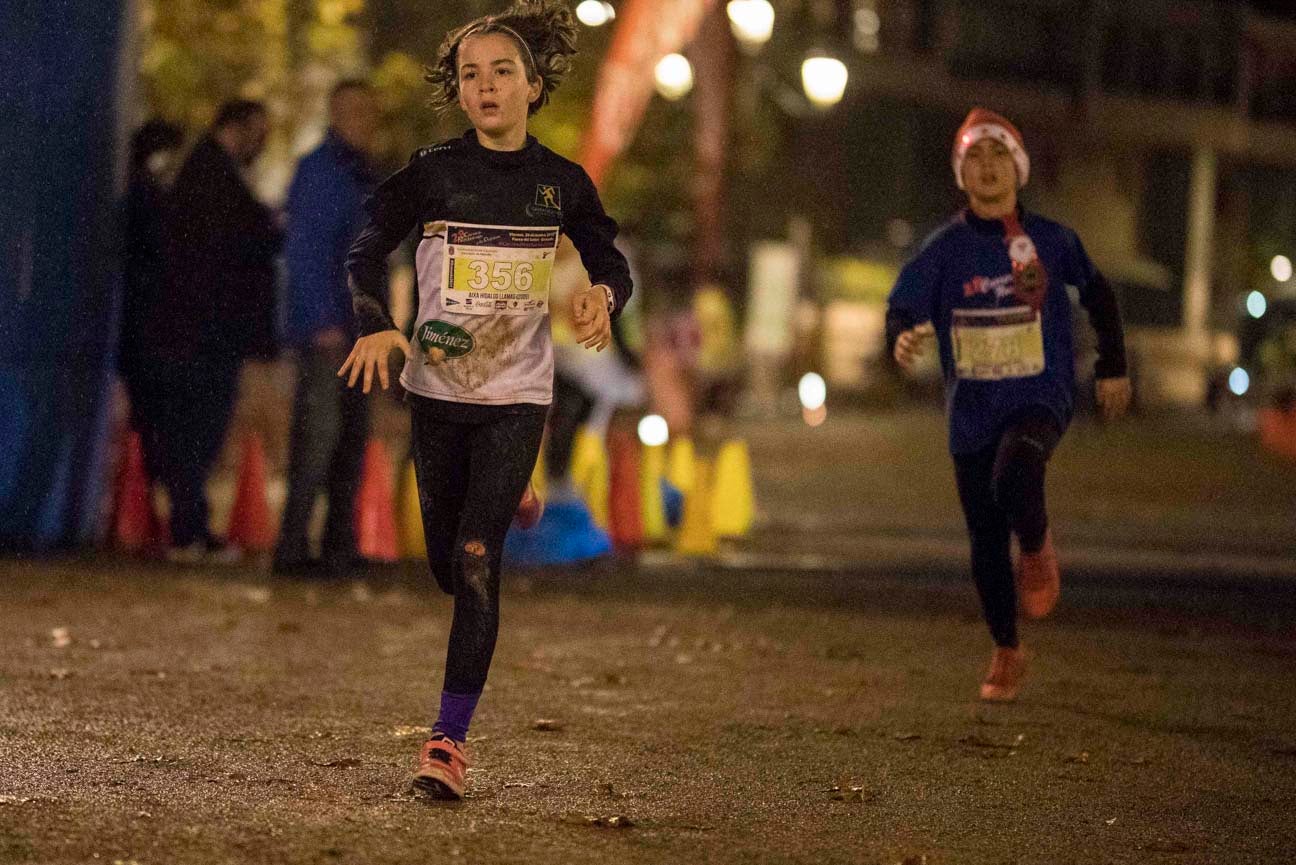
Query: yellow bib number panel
x=994, y=344
x=498, y=269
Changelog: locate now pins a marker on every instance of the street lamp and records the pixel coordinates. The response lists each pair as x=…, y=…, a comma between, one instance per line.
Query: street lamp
x=1256, y=304
x=595, y=13
x=824, y=80
x=1281, y=268
x=752, y=22
x=674, y=75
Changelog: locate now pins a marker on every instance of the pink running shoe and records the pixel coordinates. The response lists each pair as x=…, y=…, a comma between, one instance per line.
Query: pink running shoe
x=1004, y=678
x=1039, y=583
x=530, y=509
x=442, y=764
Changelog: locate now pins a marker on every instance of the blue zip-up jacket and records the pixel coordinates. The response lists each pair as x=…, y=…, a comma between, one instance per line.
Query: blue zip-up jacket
x=325, y=212
x=964, y=266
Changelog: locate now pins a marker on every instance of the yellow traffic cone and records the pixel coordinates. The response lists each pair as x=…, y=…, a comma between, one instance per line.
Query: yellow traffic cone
x=652, y=468
x=538, y=481
x=679, y=465
x=697, y=535
x=589, y=473
x=733, y=502
x=410, y=517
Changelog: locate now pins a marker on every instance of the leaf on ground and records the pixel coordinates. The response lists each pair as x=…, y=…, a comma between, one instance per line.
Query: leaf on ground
x=844, y=791
x=613, y=821
x=60, y=673
x=906, y=737
x=361, y=593
x=61, y=638
x=257, y=594
x=547, y=725
x=509, y=785
x=920, y=859
x=341, y=763
x=402, y=731
x=1081, y=757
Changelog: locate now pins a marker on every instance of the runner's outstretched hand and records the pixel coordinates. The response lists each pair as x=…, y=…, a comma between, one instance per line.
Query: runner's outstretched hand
x=371, y=353
x=909, y=344
x=590, y=317
x=1114, y=396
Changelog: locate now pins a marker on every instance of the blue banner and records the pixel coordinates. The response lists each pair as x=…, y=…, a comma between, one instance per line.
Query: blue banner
x=59, y=281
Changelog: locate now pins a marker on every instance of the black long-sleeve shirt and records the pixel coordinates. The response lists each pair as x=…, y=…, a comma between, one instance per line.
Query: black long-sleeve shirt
x=489, y=227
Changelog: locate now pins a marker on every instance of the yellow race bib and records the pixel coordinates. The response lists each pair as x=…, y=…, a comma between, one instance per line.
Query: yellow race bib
x=994, y=344
x=497, y=269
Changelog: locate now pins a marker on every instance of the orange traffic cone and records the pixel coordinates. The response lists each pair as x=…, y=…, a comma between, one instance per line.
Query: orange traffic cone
x=625, y=516
x=250, y=528
x=135, y=525
x=375, y=513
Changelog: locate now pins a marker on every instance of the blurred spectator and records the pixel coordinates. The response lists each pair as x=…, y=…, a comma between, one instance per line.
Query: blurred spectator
x=153, y=150
x=330, y=422
x=217, y=310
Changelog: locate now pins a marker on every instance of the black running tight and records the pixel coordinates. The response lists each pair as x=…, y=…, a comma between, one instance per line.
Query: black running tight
x=1001, y=488
x=472, y=465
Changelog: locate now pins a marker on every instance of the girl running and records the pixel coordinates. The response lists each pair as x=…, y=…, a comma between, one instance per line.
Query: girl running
x=490, y=207
x=992, y=284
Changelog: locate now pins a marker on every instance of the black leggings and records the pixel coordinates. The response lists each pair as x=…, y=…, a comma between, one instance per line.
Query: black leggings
x=471, y=475
x=1001, y=488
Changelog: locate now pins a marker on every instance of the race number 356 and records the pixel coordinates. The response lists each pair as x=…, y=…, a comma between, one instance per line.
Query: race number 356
x=498, y=275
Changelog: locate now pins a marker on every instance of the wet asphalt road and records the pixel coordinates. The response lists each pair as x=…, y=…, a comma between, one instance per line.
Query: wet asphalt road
x=664, y=713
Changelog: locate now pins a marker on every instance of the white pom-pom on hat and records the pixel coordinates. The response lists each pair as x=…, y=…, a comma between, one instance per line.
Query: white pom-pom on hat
x=982, y=123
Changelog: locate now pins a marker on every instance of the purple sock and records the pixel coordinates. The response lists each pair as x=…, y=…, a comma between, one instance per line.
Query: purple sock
x=456, y=714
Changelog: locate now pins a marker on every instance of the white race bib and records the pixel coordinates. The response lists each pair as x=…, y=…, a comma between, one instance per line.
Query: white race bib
x=497, y=269
x=994, y=344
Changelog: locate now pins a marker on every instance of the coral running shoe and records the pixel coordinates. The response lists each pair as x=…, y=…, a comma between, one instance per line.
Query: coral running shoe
x=1039, y=583
x=442, y=764
x=530, y=509
x=1004, y=678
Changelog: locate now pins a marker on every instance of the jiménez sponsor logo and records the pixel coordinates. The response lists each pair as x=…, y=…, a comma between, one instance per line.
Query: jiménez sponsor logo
x=450, y=338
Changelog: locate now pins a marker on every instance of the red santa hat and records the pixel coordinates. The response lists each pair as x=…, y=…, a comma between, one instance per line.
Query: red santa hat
x=982, y=123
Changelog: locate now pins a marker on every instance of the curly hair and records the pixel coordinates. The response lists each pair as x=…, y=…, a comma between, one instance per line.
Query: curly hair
x=546, y=30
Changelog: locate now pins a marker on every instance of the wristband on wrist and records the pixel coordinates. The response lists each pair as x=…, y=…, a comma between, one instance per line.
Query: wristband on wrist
x=611, y=298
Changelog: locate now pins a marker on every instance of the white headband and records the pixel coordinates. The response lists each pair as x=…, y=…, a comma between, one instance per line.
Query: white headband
x=491, y=26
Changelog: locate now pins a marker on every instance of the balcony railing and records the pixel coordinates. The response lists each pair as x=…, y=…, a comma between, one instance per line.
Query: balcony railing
x=1205, y=54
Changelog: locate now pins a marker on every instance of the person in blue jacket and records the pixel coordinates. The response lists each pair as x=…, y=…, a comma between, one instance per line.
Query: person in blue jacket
x=330, y=423
x=992, y=286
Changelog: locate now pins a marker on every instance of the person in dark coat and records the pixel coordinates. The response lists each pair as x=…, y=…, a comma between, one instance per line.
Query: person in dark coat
x=218, y=310
x=154, y=147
